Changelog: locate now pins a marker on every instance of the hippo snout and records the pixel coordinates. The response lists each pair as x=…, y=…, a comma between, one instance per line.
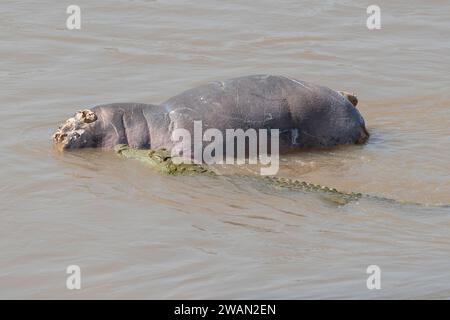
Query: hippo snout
x=364, y=135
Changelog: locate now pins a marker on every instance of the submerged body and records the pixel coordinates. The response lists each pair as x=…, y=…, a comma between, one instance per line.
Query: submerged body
x=306, y=115
x=163, y=161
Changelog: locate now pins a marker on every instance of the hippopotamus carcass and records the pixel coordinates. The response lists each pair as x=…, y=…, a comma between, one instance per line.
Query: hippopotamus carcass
x=307, y=115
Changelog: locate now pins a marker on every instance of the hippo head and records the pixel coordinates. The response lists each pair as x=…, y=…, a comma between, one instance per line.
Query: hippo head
x=78, y=131
x=364, y=134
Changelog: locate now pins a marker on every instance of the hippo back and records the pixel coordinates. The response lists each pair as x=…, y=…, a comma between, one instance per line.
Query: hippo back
x=306, y=114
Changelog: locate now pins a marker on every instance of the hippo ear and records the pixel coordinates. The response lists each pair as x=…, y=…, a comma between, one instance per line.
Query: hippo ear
x=350, y=97
x=86, y=116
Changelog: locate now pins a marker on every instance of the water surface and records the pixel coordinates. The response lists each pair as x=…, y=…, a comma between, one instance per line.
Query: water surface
x=137, y=234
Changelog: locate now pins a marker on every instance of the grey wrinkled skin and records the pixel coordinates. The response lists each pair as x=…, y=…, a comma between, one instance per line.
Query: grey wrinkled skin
x=307, y=115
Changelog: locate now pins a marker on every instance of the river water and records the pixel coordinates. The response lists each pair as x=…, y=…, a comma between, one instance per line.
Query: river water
x=137, y=234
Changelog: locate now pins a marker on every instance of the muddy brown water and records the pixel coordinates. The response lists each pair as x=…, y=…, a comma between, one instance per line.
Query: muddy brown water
x=137, y=234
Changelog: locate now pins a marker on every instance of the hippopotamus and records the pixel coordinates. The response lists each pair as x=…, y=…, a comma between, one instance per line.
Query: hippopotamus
x=307, y=115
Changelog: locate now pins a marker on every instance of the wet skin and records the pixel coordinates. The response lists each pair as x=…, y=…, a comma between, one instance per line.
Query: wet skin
x=307, y=115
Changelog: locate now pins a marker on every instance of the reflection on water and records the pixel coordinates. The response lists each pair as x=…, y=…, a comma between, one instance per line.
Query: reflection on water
x=137, y=234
